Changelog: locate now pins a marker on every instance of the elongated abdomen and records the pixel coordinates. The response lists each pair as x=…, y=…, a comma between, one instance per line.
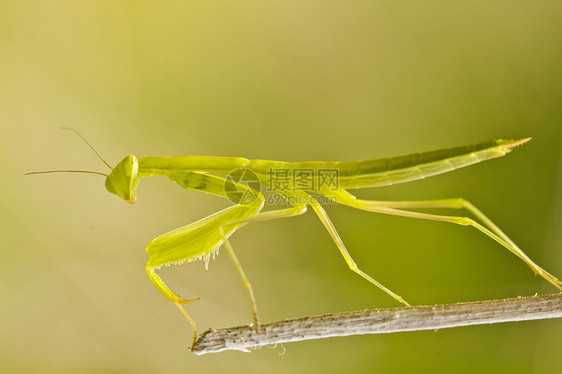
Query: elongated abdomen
x=392, y=170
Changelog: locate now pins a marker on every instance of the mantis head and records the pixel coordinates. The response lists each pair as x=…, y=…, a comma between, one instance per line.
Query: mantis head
x=123, y=179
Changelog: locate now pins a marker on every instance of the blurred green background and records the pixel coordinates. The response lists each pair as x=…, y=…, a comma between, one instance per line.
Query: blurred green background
x=283, y=78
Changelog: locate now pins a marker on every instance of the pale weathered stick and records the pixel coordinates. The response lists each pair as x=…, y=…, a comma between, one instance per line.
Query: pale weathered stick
x=377, y=321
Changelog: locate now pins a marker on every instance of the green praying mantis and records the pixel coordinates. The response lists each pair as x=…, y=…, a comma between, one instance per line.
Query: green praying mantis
x=301, y=185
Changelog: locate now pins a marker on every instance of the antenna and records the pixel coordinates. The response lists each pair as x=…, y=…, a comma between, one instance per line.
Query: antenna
x=66, y=171
x=89, y=145
x=76, y=171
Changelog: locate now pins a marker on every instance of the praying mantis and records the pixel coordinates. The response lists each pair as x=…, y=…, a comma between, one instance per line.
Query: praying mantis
x=301, y=185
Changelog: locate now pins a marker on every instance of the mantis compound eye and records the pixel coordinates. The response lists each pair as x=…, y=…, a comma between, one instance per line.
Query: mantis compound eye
x=123, y=179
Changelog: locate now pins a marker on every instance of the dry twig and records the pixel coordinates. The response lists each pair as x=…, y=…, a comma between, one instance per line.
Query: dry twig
x=379, y=321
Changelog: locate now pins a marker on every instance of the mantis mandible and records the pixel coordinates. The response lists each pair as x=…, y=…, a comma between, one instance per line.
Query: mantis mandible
x=301, y=184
